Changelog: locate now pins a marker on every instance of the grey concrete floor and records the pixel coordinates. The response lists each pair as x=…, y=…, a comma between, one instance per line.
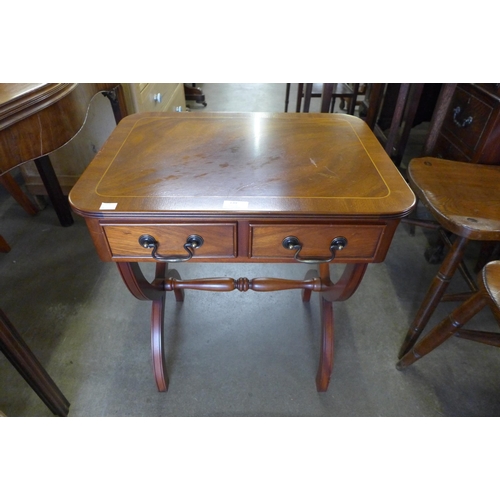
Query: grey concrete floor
x=229, y=354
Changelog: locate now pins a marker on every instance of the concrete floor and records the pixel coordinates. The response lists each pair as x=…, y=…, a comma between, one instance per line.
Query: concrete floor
x=232, y=354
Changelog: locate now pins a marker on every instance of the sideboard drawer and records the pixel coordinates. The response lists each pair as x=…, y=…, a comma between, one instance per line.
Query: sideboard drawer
x=449, y=151
x=266, y=240
x=471, y=129
x=219, y=240
x=467, y=118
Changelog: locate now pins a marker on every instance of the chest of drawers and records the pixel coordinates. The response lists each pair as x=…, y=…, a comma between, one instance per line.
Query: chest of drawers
x=471, y=129
x=143, y=97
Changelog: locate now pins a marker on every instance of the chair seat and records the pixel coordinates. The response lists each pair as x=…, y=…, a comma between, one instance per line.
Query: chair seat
x=463, y=197
x=491, y=281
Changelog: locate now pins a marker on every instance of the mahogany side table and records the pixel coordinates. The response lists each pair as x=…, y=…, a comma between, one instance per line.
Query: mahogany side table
x=242, y=188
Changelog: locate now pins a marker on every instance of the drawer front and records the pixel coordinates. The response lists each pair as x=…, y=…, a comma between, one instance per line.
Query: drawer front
x=150, y=91
x=177, y=100
x=466, y=120
x=447, y=150
x=492, y=88
x=363, y=241
x=219, y=240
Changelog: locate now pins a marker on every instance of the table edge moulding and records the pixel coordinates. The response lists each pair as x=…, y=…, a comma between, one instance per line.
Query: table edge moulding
x=242, y=188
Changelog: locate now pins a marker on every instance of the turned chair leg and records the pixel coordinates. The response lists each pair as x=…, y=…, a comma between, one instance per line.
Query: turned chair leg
x=434, y=294
x=447, y=328
x=488, y=294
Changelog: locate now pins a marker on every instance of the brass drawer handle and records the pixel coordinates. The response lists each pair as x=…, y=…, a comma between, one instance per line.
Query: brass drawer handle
x=293, y=243
x=194, y=241
x=464, y=123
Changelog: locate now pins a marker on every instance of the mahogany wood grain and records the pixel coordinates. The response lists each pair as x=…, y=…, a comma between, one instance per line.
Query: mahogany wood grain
x=332, y=166
x=363, y=240
x=243, y=182
x=347, y=284
x=342, y=290
x=38, y=118
x=463, y=197
x=219, y=239
x=242, y=284
x=325, y=366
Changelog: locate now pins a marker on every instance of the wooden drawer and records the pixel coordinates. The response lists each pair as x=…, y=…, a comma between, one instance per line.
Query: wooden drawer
x=479, y=140
x=492, y=88
x=177, y=101
x=466, y=120
x=143, y=97
x=266, y=240
x=146, y=98
x=219, y=239
x=447, y=150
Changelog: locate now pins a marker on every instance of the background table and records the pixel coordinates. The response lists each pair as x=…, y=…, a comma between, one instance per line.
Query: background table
x=38, y=118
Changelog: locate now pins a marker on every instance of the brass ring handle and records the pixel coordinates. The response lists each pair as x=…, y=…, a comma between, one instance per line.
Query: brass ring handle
x=464, y=123
x=293, y=243
x=194, y=241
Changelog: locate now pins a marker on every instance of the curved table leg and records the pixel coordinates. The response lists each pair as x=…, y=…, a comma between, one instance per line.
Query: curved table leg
x=157, y=349
x=342, y=290
x=157, y=326
x=142, y=289
x=327, y=341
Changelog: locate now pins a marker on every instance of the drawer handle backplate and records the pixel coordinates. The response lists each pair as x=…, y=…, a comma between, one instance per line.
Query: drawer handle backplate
x=293, y=243
x=463, y=123
x=194, y=241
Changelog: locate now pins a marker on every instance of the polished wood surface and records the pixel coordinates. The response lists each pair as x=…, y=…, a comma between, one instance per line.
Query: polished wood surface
x=269, y=163
x=38, y=118
x=463, y=197
x=242, y=185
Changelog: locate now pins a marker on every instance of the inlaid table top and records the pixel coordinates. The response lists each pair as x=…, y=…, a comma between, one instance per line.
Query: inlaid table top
x=252, y=163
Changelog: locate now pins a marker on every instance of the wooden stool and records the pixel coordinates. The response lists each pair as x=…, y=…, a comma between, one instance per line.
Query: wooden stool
x=465, y=200
x=488, y=294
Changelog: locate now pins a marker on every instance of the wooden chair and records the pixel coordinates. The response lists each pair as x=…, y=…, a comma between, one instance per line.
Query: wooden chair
x=395, y=138
x=25, y=362
x=464, y=199
x=328, y=92
x=488, y=294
